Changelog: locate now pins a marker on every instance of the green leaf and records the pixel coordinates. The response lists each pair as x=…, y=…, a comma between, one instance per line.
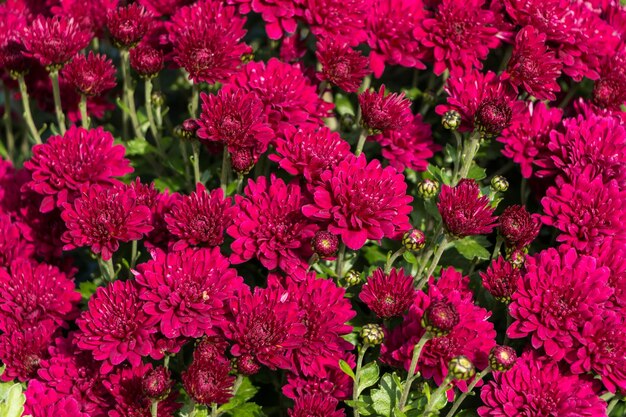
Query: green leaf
x=386, y=396
x=364, y=405
x=476, y=172
x=346, y=369
x=87, y=289
x=470, y=248
x=343, y=105
x=368, y=376
x=412, y=93
x=244, y=393
x=409, y=257
x=373, y=254
x=438, y=174
x=138, y=147
x=247, y=410
x=12, y=400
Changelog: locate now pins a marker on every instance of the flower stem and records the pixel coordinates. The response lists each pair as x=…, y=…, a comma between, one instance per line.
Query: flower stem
x=440, y=249
x=357, y=375
x=8, y=122
x=28, y=117
x=496, y=249
x=133, y=254
x=239, y=184
x=82, y=105
x=225, y=174
x=150, y=112
x=341, y=254
x=166, y=361
x=154, y=408
x=195, y=159
x=214, y=412
x=434, y=399
x=107, y=269
x=612, y=405
x=471, y=147
x=56, y=94
x=361, y=142
x=393, y=258
x=417, y=351
x=195, y=98
x=470, y=388
x=129, y=94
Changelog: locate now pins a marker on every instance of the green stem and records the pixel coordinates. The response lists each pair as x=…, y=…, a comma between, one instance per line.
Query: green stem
x=612, y=405
x=417, y=351
x=8, y=122
x=129, y=94
x=434, y=399
x=433, y=265
x=239, y=184
x=457, y=159
x=154, y=408
x=150, y=112
x=496, y=249
x=28, y=116
x=133, y=254
x=195, y=159
x=82, y=105
x=214, y=412
x=357, y=375
x=361, y=142
x=471, y=147
x=56, y=94
x=108, y=269
x=166, y=361
x=470, y=388
x=195, y=99
x=393, y=258
x=185, y=154
x=225, y=173
x=340, y=257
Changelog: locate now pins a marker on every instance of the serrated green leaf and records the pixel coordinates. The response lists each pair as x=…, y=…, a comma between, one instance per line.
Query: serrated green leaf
x=386, y=396
x=244, y=393
x=346, y=369
x=368, y=376
x=364, y=405
x=471, y=248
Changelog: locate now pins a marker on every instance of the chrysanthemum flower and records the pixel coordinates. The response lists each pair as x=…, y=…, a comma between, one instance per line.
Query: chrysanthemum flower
x=200, y=218
x=327, y=379
x=266, y=326
x=270, y=226
x=344, y=20
x=535, y=387
x=128, y=25
x=115, y=327
x=316, y=405
x=235, y=119
x=394, y=30
x=533, y=66
x=90, y=75
x=388, y=295
x=187, y=291
x=278, y=15
x=360, y=201
x=64, y=164
x=500, y=279
x=42, y=401
x=309, y=151
x=90, y=15
x=55, y=40
x=22, y=349
x=382, y=113
x=408, y=147
x=341, y=65
x=164, y=7
x=209, y=381
x=459, y=35
x=518, y=227
x=464, y=211
x=34, y=292
x=558, y=294
x=587, y=211
x=13, y=244
x=146, y=60
x=612, y=255
x=102, y=217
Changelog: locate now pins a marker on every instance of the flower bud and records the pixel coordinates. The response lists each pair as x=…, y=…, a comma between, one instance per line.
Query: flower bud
x=516, y=257
x=352, y=278
x=492, y=117
x=158, y=99
x=325, y=244
x=427, y=189
x=499, y=184
x=242, y=161
x=461, y=368
x=372, y=334
x=502, y=358
x=440, y=318
x=247, y=365
x=451, y=120
x=156, y=384
x=414, y=240
x=146, y=61
x=186, y=131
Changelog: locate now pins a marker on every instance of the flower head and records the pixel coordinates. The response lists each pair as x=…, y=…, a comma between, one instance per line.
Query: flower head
x=90, y=75
x=342, y=19
x=518, y=227
x=388, y=295
x=325, y=244
x=502, y=358
x=382, y=113
x=42, y=401
x=278, y=15
x=89, y=15
x=440, y=318
x=146, y=60
x=209, y=382
x=464, y=211
x=341, y=65
x=500, y=279
x=316, y=405
x=128, y=25
x=156, y=384
x=23, y=348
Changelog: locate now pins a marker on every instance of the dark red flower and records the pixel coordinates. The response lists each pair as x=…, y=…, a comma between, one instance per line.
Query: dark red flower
x=22, y=349
x=146, y=60
x=316, y=405
x=90, y=75
x=383, y=112
x=388, y=295
x=518, y=227
x=464, y=211
x=128, y=25
x=341, y=65
x=157, y=383
x=209, y=382
x=500, y=279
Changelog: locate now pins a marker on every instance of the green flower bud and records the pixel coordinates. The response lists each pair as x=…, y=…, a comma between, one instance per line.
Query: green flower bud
x=372, y=334
x=352, y=277
x=427, y=189
x=414, y=240
x=499, y=183
x=451, y=120
x=461, y=368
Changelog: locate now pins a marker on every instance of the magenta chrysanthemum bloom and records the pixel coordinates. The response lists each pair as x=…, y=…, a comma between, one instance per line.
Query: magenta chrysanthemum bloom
x=90, y=75
x=90, y=15
x=42, y=401
x=200, y=218
x=164, y=7
x=102, y=217
x=55, y=40
x=595, y=145
x=526, y=139
x=535, y=387
x=344, y=20
x=609, y=92
x=267, y=326
x=187, y=291
x=13, y=244
x=270, y=226
x=533, y=66
x=518, y=227
x=235, y=119
x=328, y=380
x=23, y=348
x=288, y=96
x=34, y=292
x=128, y=25
x=115, y=327
x=341, y=65
x=394, y=30
x=146, y=60
x=586, y=211
x=556, y=296
x=382, y=112
x=500, y=279
x=360, y=201
x=409, y=147
x=460, y=35
x=278, y=15
x=309, y=151
x=388, y=295
x=209, y=381
x=64, y=164
x=464, y=211
x=316, y=405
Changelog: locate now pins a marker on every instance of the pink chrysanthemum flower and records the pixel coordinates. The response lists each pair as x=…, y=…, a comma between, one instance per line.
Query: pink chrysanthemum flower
x=586, y=211
x=23, y=348
x=341, y=65
x=128, y=25
x=556, y=296
x=146, y=60
x=394, y=33
x=316, y=405
x=115, y=327
x=278, y=15
x=187, y=291
x=90, y=75
x=102, y=217
x=609, y=92
x=200, y=218
x=408, y=147
x=13, y=244
x=288, y=96
x=269, y=225
x=90, y=15
x=388, y=295
x=292, y=49
x=34, y=292
x=360, y=201
x=518, y=227
x=612, y=255
x=535, y=387
x=533, y=66
x=382, y=113
x=526, y=139
x=309, y=151
x=500, y=279
x=208, y=381
x=235, y=119
x=267, y=326
x=343, y=20
x=55, y=40
x=42, y=401
x=464, y=211
x=460, y=35
x=164, y=7
x=328, y=379
x=64, y=164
